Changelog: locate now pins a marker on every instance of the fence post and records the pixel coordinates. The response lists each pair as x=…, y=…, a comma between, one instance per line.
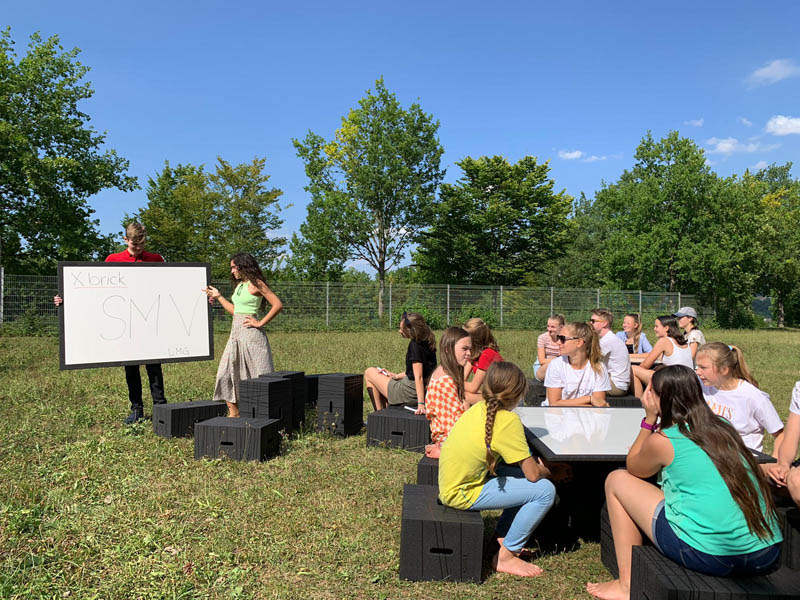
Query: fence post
x=501, y=306
x=390, y=303
x=679, y=301
x=640, y=304
x=448, y=305
x=327, y=303
x=2, y=290
x=551, y=300
x=598, y=298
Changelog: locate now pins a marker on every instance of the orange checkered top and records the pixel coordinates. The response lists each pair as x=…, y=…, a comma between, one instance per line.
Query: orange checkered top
x=443, y=407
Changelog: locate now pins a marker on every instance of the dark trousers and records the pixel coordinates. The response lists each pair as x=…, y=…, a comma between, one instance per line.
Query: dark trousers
x=134, y=379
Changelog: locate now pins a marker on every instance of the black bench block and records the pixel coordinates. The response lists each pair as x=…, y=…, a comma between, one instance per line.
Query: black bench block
x=399, y=428
x=628, y=401
x=437, y=542
x=655, y=577
x=790, y=527
x=428, y=471
x=267, y=398
x=340, y=403
x=237, y=439
x=312, y=390
x=179, y=418
x=536, y=393
x=298, y=386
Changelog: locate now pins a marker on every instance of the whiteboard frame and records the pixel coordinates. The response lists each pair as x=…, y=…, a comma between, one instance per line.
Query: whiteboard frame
x=124, y=363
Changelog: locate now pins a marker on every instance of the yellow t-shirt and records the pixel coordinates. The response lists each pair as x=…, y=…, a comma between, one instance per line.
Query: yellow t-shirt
x=462, y=465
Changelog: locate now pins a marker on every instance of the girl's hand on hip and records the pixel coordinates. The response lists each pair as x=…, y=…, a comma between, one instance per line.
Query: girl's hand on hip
x=250, y=321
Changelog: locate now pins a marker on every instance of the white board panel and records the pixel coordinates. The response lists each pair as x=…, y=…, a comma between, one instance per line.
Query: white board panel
x=133, y=313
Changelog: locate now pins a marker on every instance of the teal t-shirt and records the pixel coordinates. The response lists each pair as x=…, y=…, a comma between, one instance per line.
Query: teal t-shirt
x=699, y=506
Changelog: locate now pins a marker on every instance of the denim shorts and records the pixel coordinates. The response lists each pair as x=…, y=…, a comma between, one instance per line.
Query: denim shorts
x=759, y=562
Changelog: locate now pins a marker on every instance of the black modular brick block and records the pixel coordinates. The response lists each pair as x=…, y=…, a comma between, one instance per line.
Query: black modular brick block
x=298, y=385
x=340, y=389
x=179, y=418
x=312, y=390
x=399, y=428
x=628, y=401
x=333, y=423
x=267, y=398
x=436, y=542
x=536, y=393
x=789, y=518
x=237, y=439
x=428, y=471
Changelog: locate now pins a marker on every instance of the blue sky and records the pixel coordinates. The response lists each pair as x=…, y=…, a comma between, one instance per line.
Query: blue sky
x=575, y=83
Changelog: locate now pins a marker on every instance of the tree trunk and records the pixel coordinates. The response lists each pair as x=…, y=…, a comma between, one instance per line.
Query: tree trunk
x=381, y=286
x=780, y=313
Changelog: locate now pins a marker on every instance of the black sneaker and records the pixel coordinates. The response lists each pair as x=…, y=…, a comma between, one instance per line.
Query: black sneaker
x=137, y=414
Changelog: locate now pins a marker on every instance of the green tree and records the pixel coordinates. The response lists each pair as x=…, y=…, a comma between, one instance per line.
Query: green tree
x=371, y=187
x=50, y=159
x=195, y=215
x=498, y=224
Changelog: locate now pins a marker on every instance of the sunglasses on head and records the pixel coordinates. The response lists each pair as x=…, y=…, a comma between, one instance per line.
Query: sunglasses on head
x=406, y=322
x=563, y=339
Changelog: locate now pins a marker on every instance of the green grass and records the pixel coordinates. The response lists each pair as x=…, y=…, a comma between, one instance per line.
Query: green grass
x=92, y=509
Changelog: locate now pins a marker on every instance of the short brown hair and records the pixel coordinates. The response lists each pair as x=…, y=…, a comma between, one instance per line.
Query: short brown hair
x=604, y=314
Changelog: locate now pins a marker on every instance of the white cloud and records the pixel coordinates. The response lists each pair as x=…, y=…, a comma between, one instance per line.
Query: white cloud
x=762, y=164
x=781, y=125
x=730, y=145
x=570, y=154
x=594, y=158
x=695, y=122
x=744, y=121
x=773, y=72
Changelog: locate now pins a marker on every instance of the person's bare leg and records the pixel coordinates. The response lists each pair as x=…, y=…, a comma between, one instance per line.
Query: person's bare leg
x=233, y=409
x=433, y=450
x=631, y=504
x=506, y=561
x=641, y=379
x=793, y=484
x=377, y=387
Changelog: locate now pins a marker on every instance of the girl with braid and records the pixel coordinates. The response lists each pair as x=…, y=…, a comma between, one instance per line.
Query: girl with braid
x=471, y=479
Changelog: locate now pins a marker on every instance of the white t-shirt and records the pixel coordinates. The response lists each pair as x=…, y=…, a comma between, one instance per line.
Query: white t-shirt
x=616, y=359
x=748, y=409
x=575, y=383
x=794, y=407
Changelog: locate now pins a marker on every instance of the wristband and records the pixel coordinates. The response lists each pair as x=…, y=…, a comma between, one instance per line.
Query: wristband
x=645, y=425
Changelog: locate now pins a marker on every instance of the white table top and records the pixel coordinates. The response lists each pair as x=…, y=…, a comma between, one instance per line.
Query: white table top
x=581, y=433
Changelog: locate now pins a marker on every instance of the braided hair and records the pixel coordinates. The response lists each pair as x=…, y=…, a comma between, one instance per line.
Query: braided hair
x=505, y=385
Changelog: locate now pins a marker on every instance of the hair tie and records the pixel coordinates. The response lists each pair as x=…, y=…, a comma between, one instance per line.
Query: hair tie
x=488, y=446
x=730, y=347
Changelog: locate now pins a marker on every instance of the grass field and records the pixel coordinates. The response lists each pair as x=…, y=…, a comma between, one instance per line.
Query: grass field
x=92, y=509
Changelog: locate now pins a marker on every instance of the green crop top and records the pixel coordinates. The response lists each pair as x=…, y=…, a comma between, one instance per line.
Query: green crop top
x=245, y=303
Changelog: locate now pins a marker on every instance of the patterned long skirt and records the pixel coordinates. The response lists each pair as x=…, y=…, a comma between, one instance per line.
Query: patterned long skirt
x=247, y=355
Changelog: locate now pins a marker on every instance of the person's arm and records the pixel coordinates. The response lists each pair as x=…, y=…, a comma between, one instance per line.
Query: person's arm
x=654, y=354
x=474, y=385
x=541, y=354
x=215, y=294
x=787, y=451
x=554, y=398
x=693, y=346
x=534, y=469
x=650, y=450
x=598, y=399
x=777, y=441
x=645, y=345
x=419, y=385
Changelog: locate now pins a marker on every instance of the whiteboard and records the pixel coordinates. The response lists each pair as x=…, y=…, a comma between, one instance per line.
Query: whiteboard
x=133, y=313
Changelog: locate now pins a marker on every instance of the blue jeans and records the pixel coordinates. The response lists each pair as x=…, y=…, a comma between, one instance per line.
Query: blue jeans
x=759, y=562
x=525, y=504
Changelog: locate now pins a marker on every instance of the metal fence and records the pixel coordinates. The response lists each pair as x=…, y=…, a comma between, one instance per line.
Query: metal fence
x=28, y=301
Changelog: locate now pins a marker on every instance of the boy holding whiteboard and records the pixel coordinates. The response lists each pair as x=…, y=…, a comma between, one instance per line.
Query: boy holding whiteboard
x=135, y=252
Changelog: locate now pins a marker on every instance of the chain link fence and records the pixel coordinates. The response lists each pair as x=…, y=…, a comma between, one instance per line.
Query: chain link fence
x=27, y=304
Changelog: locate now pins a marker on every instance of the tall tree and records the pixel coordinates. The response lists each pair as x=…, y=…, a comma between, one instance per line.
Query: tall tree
x=372, y=186
x=51, y=160
x=195, y=215
x=497, y=225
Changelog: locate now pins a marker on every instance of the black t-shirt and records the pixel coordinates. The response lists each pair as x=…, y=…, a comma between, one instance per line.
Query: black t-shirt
x=420, y=353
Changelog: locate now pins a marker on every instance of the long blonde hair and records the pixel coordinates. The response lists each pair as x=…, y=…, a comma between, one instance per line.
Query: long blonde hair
x=637, y=331
x=480, y=336
x=728, y=357
x=504, y=386
x=590, y=342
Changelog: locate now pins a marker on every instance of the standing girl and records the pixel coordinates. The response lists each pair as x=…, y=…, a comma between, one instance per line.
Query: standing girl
x=687, y=319
x=385, y=387
x=578, y=377
x=706, y=473
x=444, y=398
x=247, y=353
x=484, y=352
x=732, y=393
x=468, y=479
x=635, y=341
x=547, y=347
x=671, y=347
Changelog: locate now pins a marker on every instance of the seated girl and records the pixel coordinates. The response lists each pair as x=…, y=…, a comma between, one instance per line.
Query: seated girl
x=687, y=319
x=631, y=334
x=578, y=377
x=547, y=347
x=670, y=347
x=786, y=473
x=470, y=479
x=690, y=445
x=484, y=352
x=444, y=398
x=732, y=393
x=385, y=387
